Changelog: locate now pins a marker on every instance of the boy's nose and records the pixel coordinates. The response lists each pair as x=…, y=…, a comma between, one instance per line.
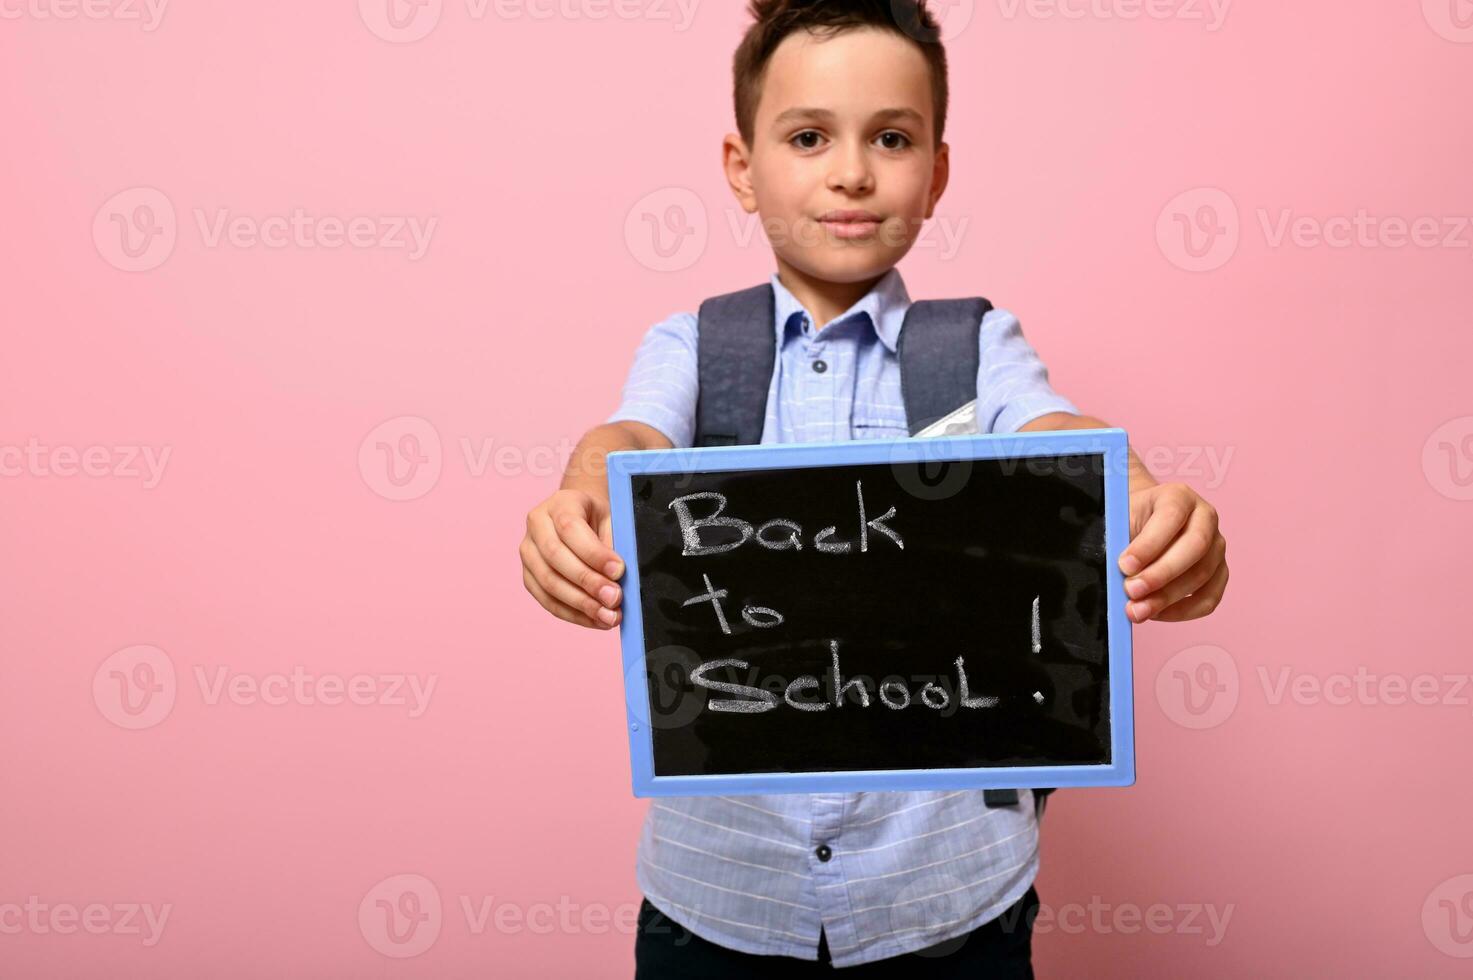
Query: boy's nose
x=851, y=172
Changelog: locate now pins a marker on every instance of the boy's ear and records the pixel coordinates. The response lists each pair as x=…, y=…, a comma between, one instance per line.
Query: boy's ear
x=940, y=174
x=736, y=160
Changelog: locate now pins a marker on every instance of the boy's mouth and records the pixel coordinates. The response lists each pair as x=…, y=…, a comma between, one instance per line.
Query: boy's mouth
x=850, y=224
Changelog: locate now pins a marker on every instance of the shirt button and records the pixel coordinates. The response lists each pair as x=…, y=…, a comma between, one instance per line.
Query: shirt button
x=820, y=366
x=823, y=852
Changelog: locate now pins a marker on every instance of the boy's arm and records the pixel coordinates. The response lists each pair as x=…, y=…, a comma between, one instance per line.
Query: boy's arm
x=568, y=560
x=587, y=467
x=1177, y=558
x=1140, y=477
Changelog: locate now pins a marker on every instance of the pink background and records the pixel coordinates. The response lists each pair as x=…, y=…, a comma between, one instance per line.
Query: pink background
x=1336, y=377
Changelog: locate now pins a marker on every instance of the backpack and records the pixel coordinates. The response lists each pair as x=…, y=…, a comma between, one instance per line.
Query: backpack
x=736, y=354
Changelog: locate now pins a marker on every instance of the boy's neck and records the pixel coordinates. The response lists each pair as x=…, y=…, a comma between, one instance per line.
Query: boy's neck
x=820, y=297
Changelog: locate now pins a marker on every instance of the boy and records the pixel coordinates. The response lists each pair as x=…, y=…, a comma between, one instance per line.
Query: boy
x=841, y=106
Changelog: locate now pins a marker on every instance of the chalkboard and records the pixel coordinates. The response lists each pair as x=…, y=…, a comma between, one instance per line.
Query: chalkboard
x=876, y=615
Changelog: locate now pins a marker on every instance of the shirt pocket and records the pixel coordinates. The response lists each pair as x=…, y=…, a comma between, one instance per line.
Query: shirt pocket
x=871, y=423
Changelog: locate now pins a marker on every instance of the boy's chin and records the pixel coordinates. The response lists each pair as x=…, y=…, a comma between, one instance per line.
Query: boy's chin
x=846, y=263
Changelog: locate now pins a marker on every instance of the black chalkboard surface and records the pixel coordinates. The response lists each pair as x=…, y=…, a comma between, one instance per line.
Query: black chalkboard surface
x=876, y=615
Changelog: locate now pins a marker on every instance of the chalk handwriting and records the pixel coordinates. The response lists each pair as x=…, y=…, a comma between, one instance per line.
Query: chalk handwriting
x=778, y=534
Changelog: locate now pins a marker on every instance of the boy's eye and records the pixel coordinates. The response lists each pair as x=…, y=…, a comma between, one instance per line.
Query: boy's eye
x=892, y=134
x=801, y=136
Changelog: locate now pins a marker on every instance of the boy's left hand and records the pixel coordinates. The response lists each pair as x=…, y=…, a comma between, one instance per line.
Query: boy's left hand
x=1177, y=559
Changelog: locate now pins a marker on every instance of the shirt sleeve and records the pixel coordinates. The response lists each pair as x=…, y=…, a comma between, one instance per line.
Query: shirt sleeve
x=1012, y=383
x=663, y=381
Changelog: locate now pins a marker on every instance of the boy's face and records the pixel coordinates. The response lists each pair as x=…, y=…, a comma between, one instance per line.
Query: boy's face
x=844, y=124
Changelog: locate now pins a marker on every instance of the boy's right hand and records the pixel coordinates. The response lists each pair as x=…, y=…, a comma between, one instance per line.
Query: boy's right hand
x=568, y=561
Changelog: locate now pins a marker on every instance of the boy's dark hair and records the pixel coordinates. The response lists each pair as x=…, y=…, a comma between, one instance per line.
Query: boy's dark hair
x=776, y=19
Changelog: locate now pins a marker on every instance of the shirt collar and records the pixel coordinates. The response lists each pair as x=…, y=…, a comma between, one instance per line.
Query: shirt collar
x=884, y=306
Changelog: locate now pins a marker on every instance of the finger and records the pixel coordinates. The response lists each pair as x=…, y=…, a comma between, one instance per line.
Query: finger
x=1190, y=546
x=1169, y=513
x=557, y=554
x=1182, y=586
x=561, y=610
x=1199, y=603
x=564, y=591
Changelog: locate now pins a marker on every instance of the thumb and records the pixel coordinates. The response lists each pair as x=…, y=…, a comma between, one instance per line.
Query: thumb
x=606, y=528
x=1141, y=506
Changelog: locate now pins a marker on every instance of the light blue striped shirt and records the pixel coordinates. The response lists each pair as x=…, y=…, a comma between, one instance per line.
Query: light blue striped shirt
x=906, y=870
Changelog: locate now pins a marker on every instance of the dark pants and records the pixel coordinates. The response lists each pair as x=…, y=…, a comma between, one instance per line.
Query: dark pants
x=999, y=949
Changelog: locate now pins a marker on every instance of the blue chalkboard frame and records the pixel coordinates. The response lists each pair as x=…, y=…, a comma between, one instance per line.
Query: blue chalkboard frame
x=1112, y=444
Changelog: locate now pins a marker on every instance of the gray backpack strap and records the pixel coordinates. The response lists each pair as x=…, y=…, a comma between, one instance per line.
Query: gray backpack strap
x=1009, y=797
x=736, y=351
x=939, y=357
